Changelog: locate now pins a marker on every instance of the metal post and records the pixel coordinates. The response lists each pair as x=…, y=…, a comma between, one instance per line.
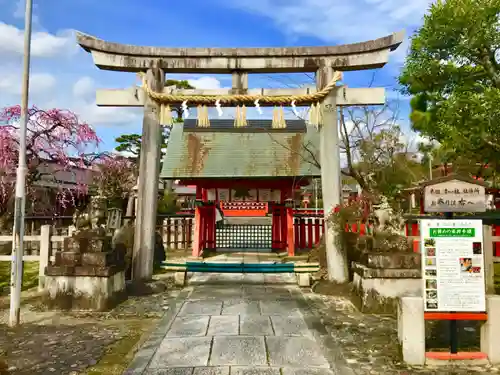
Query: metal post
x=452, y=323
x=430, y=166
x=16, y=276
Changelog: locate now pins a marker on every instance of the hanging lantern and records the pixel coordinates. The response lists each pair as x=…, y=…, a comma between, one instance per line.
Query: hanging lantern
x=289, y=203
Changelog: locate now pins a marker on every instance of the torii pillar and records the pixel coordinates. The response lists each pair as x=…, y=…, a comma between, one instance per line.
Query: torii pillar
x=331, y=178
x=149, y=170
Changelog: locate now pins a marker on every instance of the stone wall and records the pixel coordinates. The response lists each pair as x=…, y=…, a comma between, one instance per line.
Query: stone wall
x=380, y=279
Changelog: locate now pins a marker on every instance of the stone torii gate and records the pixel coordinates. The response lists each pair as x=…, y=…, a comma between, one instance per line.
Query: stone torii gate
x=157, y=61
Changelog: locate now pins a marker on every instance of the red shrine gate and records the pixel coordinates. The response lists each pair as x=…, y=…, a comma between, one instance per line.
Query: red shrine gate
x=258, y=215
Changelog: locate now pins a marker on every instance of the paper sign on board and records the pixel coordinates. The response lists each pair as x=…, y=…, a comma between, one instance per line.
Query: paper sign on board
x=453, y=265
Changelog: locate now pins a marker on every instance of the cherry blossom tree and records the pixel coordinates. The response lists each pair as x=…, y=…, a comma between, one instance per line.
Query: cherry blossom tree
x=57, y=141
x=116, y=178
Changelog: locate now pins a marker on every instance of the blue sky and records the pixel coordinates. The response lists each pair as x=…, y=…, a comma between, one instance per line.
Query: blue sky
x=64, y=76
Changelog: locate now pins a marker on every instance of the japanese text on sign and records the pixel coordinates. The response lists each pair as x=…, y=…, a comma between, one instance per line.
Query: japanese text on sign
x=454, y=196
x=453, y=265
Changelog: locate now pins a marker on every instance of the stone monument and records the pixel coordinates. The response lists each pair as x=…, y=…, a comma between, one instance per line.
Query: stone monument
x=88, y=274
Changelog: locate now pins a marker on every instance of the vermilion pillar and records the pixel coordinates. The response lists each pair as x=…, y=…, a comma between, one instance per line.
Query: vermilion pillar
x=283, y=228
x=198, y=232
x=275, y=229
x=290, y=239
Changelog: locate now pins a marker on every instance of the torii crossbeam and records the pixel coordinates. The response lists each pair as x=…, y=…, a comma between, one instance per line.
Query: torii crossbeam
x=239, y=62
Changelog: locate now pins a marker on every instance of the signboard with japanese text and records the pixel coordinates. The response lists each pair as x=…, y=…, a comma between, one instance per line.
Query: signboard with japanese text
x=264, y=195
x=211, y=195
x=453, y=265
x=454, y=196
x=223, y=195
x=252, y=196
x=276, y=195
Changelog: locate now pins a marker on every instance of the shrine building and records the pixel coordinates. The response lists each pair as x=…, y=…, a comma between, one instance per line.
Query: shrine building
x=251, y=173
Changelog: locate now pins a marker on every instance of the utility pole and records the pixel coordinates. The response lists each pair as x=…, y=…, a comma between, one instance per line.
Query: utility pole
x=16, y=276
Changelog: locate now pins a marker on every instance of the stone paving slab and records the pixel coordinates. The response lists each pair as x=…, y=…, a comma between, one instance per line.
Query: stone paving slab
x=193, y=325
x=254, y=371
x=170, y=371
x=240, y=350
x=240, y=307
x=224, y=325
x=183, y=351
x=201, y=308
x=216, y=293
x=295, y=352
x=306, y=371
x=256, y=325
x=239, y=370
x=284, y=307
x=290, y=326
x=211, y=371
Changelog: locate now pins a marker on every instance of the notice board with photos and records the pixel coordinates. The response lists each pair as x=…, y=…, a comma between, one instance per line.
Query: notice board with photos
x=453, y=265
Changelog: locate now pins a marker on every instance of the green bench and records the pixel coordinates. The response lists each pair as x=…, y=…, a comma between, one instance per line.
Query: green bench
x=303, y=271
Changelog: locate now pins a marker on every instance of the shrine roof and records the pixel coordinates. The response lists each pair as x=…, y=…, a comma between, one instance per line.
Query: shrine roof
x=223, y=151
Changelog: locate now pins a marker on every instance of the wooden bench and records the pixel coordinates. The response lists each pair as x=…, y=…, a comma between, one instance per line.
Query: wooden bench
x=302, y=271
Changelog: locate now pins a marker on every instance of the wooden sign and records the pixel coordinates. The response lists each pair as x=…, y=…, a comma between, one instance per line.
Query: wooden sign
x=211, y=195
x=223, y=195
x=114, y=218
x=264, y=195
x=454, y=195
x=276, y=196
x=252, y=195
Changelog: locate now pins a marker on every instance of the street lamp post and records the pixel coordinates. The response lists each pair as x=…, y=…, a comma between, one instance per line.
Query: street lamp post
x=16, y=276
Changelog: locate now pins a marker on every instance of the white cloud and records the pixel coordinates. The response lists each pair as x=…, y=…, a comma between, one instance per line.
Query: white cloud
x=84, y=88
x=39, y=83
x=109, y=116
x=42, y=82
x=43, y=44
x=205, y=82
x=340, y=21
x=20, y=10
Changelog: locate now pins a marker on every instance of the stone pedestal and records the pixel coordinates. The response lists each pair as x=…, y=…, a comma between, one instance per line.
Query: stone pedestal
x=490, y=330
x=86, y=275
x=304, y=280
x=84, y=288
x=380, y=279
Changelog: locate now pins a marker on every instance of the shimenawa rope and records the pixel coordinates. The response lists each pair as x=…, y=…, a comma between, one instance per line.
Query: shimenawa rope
x=240, y=99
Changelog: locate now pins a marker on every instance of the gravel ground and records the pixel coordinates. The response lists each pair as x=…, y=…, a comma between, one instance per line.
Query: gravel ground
x=49, y=342
x=369, y=343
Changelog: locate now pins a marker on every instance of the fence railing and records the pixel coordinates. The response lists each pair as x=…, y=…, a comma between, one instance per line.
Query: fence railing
x=178, y=232
x=308, y=230
x=45, y=245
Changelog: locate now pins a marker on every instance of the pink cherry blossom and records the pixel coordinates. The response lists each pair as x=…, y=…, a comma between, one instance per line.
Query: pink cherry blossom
x=56, y=138
x=116, y=176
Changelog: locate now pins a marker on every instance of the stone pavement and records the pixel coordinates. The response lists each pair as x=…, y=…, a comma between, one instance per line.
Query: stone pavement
x=240, y=325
